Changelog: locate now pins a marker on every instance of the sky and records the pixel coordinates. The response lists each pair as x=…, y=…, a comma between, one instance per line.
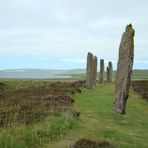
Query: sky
x=57, y=34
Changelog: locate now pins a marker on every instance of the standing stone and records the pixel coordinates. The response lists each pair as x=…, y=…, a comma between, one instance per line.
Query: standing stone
x=110, y=67
x=95, y=65
x=101, y=71
x=107, y=74
x=124, y=69
x=89, y=71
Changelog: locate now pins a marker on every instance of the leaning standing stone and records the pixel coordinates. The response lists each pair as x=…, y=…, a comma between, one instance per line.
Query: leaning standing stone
x=101, y=71
x=89, y=71
x=124, y=69
x=95, y=65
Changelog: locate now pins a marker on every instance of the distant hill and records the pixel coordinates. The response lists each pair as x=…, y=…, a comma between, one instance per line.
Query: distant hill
x=41, y=73
x=137, y=74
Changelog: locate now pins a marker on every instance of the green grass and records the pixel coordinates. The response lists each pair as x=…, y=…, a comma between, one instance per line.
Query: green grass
x=97, y=121
x=30, y=125
x=36, y=135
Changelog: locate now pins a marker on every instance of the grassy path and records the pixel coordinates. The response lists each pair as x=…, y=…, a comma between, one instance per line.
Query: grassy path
x=99, y=121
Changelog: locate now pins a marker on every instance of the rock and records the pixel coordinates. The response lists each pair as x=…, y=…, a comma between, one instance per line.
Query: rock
x=89, y=71
x=124, y=70
x=95, y=65
x=107, y=74
x=101, y=71
x=110, y=67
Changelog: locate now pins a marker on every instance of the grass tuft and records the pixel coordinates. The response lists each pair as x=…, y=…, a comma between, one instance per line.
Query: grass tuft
x=52, y=128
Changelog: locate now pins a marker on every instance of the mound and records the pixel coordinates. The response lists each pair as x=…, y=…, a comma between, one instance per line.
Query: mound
x=141, y=87
x=34, y=103
x=53, y=100
x=86, y=143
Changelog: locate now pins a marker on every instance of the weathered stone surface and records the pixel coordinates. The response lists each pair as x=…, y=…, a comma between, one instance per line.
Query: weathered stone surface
x=89, y=71
x=110, y=68
x=124, y=69
x=107, y=74
x=95, y=65
x=101, y=71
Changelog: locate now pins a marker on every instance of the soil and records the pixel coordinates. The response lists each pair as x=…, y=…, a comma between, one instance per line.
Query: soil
x=86, y=143
x=141, y=87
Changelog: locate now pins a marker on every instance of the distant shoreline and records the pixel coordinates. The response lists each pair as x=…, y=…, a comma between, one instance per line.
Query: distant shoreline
x=32, y=75
x=53, y=74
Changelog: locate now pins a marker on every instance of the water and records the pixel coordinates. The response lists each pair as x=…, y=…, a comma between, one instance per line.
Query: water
x=32, y=75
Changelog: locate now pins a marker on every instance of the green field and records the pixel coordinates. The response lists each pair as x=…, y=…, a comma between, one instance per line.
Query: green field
x=97, y=121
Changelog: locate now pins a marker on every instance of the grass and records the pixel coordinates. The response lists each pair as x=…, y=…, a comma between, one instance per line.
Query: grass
x=24, y=124
x=140, y=74
x=36, y=135
x=97, y=121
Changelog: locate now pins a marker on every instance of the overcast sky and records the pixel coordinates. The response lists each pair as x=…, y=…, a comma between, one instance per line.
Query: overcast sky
x=57, y=34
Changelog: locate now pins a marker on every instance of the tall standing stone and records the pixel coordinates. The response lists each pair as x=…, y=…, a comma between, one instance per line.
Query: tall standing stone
x=101, y=71
x=110, y=67
x=124, y=69
x=89, y=71
x=95, y=65
x=107, y=74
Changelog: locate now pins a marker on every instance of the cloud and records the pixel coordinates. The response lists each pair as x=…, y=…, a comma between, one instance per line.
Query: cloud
x=68, y=29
